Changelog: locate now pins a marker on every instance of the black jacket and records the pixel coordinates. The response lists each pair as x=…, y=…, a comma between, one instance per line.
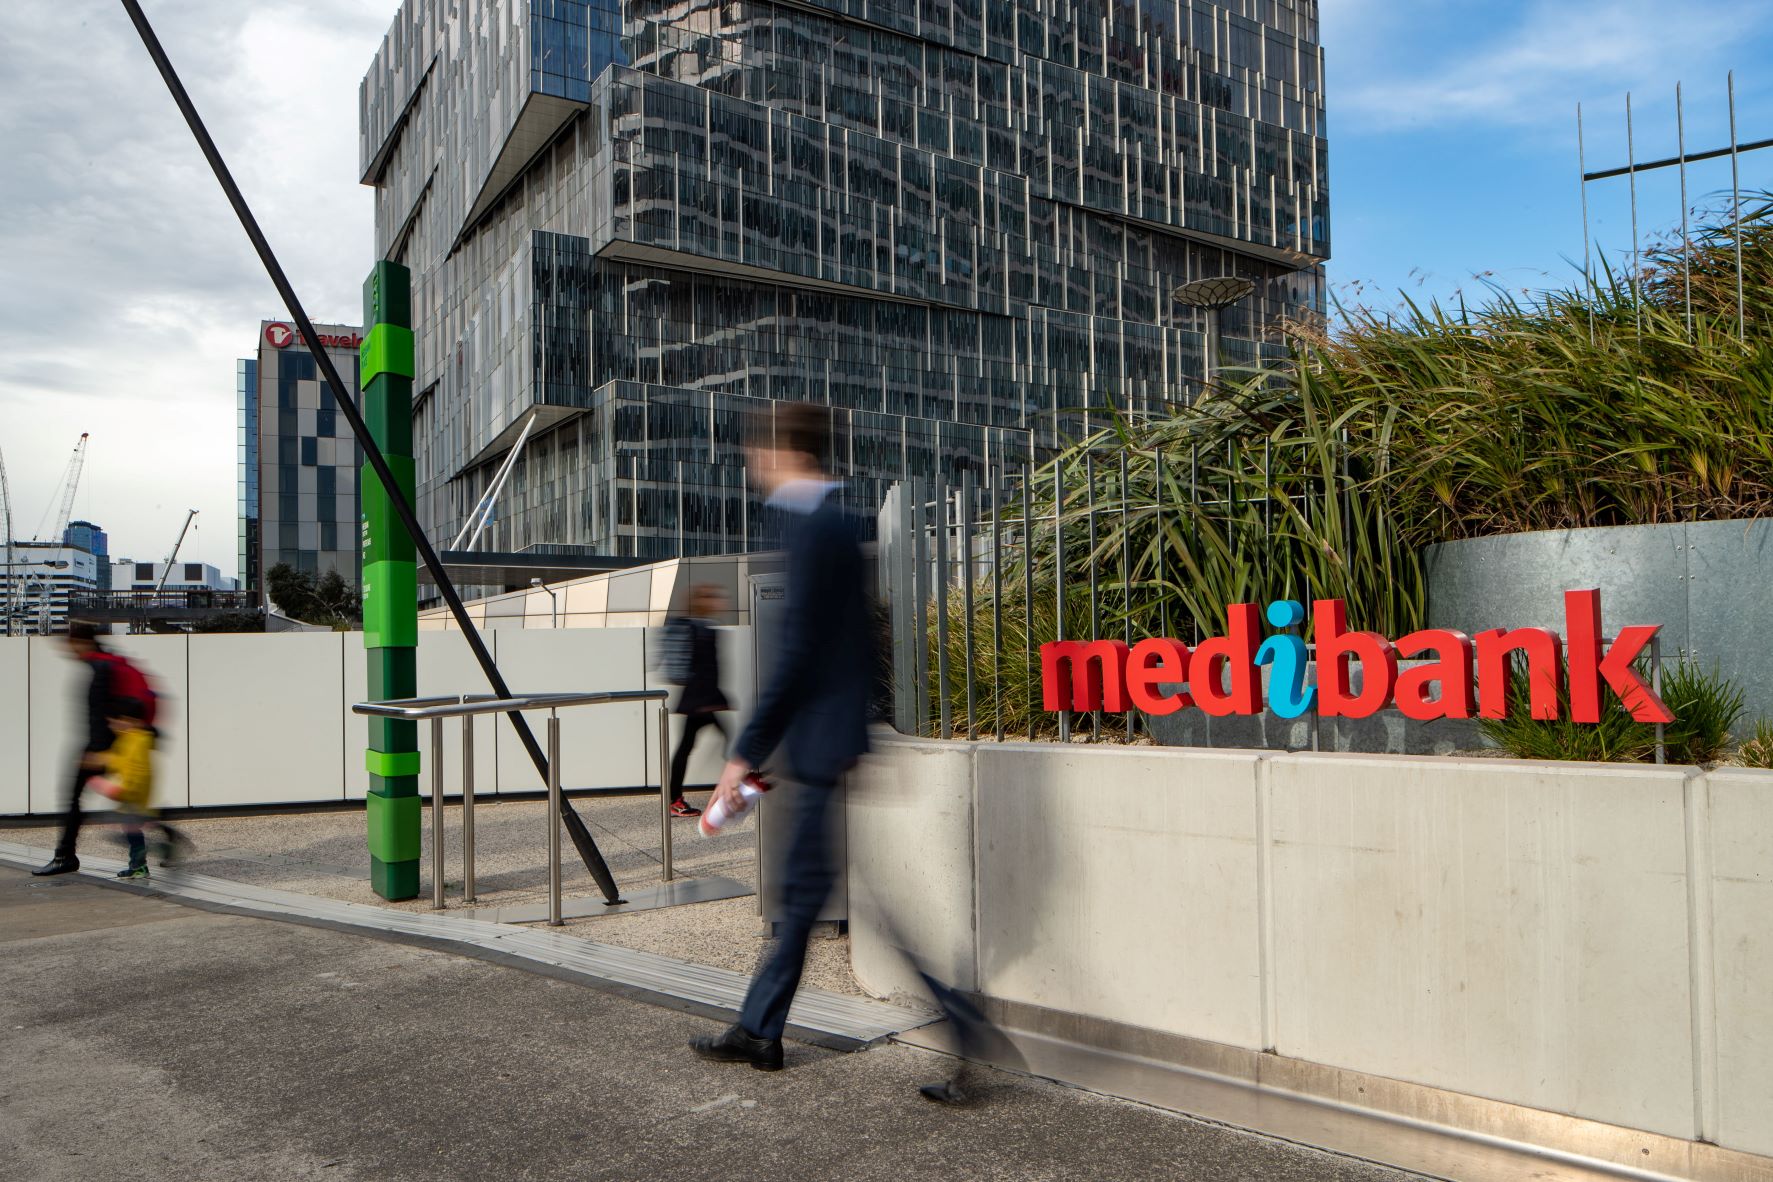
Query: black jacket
x=816, y=701
x=99, y=706
x=701, y=693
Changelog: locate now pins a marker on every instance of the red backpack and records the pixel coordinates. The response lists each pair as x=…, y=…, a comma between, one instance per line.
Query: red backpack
x=130, y=684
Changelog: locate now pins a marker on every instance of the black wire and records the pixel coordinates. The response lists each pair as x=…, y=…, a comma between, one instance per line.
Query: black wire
x=588, y=851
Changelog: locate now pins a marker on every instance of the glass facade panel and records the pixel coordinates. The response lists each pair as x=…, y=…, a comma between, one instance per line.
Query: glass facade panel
x=947, y=218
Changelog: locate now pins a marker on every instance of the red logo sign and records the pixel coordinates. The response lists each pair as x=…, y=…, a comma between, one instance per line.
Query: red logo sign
x=280, y=336
x=1220, y=675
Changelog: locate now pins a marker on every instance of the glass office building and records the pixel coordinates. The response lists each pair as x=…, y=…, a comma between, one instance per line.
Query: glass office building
x=957, y=225
x=298, y=460
x=84, y=535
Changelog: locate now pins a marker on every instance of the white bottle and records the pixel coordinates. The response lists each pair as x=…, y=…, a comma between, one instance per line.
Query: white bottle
x=716, y=817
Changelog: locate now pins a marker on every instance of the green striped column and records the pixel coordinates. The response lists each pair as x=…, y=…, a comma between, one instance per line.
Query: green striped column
x=390, y=583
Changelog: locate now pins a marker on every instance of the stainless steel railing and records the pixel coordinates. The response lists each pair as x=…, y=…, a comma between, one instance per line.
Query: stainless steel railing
x=469, y=706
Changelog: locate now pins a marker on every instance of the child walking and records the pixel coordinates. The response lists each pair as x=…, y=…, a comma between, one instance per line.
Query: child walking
x=128, y=779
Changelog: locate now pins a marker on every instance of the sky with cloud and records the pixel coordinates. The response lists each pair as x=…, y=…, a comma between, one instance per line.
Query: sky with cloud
x=127, y=290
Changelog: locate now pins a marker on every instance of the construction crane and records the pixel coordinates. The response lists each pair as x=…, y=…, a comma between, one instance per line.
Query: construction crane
x=167, y=570
x=70, y=483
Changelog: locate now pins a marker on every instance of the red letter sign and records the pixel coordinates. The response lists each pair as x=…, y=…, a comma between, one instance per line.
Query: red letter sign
x=1093, y=673
x=1153, y=663
x=1582, y=624
x=1451, y=668
x=1545, y=670
x=1237, y=648
x=1334, y=646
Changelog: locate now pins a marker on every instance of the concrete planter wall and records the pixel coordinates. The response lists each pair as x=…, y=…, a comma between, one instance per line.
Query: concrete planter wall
x=1577, y=939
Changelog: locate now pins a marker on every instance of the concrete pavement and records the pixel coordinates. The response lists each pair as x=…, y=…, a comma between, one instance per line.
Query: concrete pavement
x=143, y=1039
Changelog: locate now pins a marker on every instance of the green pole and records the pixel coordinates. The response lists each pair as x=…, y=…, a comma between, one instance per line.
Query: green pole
x=390, y=583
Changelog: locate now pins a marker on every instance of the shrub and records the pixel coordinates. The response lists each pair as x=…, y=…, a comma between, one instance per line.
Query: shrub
x=1705, y=706
x=1757, y=749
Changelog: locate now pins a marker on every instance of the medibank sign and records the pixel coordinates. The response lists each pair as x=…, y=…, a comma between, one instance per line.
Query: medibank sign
x=1220, y=677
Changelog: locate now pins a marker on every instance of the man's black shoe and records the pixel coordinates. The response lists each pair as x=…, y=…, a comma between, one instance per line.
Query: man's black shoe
x=946, y=1092
x=735, y=1046
x=57, y=865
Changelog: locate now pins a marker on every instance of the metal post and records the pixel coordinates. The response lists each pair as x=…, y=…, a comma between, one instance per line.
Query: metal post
x=966, y=569
x=1095, y=579
x=1656, y=688
x=1631, y=162
x=920, y=566
x=467, y=807
x=437, y=814
x=1686, y=234
x=1587, y=254
x=1193, y=525
x=997, y=600
x=1029, y=689
x=1059, y=576
x=665, y=790
x=941, y=511
x=1210, y=362
x=1126, y=571
x=553, y=818
x=1157, y=519
x=1736, y=214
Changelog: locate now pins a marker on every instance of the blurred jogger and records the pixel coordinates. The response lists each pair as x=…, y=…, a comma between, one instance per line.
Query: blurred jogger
x=692, y=660
x=112, y=679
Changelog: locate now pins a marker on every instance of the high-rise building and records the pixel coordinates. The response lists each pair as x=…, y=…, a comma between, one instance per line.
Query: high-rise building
x=90, y=538
x=958, y=225
x=297, y=457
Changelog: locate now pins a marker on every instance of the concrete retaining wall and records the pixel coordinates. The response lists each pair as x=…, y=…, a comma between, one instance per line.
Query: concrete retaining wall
x=1583, y=939
x=252, y=719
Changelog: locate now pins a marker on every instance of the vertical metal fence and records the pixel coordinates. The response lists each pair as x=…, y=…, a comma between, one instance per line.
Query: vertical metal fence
x=1014, y=554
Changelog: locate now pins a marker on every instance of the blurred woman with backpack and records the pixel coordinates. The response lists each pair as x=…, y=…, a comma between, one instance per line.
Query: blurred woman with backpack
x=115, y=682
x=692, y=660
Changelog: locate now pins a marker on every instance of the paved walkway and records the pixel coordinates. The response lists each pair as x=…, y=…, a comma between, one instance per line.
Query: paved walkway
x=322, y=853
x=145, y=1039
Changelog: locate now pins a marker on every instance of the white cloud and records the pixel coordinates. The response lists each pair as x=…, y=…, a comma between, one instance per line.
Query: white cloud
x=1510, y=62
x=127, y=288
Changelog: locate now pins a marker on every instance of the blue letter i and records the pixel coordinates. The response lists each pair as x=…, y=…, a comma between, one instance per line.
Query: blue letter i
x=1287, y=693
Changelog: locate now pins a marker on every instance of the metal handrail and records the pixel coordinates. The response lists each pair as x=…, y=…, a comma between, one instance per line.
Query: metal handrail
x=459, y=705
x=468, y=706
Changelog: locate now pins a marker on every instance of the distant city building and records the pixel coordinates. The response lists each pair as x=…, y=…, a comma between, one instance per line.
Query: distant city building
x=127, y=575
x=297, y=458
x=956, y=224
x=92, y=539
x=39, y=582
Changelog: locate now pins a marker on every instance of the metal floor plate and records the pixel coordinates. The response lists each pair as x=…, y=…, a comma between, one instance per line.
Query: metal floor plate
x=846, y=1019
x=666, y=894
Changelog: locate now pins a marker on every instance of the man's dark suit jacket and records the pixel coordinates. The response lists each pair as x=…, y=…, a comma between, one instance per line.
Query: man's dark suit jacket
x=817, y=698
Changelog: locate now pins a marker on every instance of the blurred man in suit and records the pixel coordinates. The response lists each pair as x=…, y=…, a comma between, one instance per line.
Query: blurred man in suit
x=815, y=706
